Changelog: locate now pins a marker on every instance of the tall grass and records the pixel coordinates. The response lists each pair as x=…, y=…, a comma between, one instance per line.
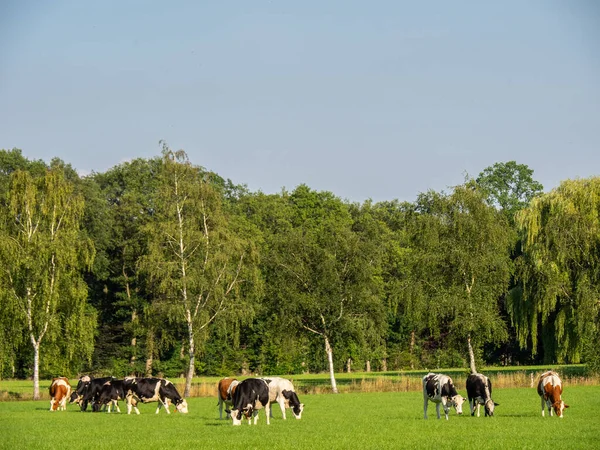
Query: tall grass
x=347, y=383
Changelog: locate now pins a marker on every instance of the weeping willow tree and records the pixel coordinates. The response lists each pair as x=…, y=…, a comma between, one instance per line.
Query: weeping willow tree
x=557, y=299
x=43, y=255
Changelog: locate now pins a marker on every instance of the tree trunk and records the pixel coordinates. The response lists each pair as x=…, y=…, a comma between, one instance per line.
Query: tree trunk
x=329, y=352
x=36, y=371
x=384, y=365
x=133, y=339
x=471, y=356
x=349, y=365
x=192, y=367
x=150, y=354
x=368, y=366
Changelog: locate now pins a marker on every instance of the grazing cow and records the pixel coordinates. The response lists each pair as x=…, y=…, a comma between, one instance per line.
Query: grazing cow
x=227, y=387
x=439, y=388
x=479, y=391
x=250, y=395
x=154, y=390
x=60, y=390
x=550, y=391
x=113, y=391
x=87, y=391
x=282, y=391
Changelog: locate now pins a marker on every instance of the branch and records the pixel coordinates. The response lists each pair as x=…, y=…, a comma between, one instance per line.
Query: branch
x=304, y=283
x=314, y=331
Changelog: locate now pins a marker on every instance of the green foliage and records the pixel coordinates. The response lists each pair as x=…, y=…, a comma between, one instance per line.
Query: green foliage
x=509, y=186
x=559, y=270
x=179, y=266
x=43, y=283
x=459, y=267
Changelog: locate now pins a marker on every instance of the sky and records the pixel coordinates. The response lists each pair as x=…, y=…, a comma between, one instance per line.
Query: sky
x=373, y=99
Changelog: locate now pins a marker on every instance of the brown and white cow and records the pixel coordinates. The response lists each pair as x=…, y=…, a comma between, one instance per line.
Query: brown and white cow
x=226, y=389
x=550, y=391
x=60, y=390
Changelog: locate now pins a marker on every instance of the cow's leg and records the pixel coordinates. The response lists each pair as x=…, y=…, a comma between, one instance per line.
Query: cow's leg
x=543, y=406
x=446, y=407
x=425, y=404
x=220, y=408
x=478, y=408
x=116, y=403
x=471, y=406
x=281, y=402
x=268, y=411
x=437, y=410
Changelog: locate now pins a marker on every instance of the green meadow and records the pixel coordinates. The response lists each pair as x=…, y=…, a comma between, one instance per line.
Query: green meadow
x=370, y=420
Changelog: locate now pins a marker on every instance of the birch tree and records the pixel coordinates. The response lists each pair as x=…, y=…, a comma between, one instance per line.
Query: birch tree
x=197, y=264
x=43, y=256
x=321, y=273
x=461, y=264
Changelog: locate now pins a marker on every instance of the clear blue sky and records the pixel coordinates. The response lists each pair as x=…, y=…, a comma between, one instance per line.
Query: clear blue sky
x=367, y=99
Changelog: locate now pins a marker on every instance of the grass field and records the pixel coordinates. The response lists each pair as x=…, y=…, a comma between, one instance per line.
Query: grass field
x=344, y=421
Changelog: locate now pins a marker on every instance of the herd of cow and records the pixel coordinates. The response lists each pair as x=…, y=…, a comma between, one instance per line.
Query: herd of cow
x=241, y=399
x=439, y=389
x=244, y=398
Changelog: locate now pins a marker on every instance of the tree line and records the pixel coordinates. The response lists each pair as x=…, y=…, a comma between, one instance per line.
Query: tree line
x=162, y=267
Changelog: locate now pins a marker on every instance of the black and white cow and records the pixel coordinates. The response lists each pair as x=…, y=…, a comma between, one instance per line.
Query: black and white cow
x=87, y=391
x=479, y=391
x=440, y=389
x=282, y=391
x=250, y=395
x=113, y=391
x=158, y=390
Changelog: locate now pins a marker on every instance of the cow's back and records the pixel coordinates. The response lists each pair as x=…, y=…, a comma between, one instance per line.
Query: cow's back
x=224, y=388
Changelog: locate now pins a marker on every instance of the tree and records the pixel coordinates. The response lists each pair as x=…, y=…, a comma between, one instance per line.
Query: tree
x=460, y=266
x=128, y=191
x=509, y=186
x=559, y=271
x=198, y=264
x=43, y=255
x=322, y=275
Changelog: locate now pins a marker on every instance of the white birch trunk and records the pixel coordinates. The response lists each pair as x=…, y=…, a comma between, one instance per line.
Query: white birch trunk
x=329, y=352
x=36, y=369
x=192, y=366
x=471, y=356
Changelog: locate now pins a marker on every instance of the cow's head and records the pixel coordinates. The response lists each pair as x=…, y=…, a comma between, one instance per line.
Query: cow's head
x=75, y=397
x=236, y=415
x=559, y=407
x=297, y=410
x=182, y=407
x=53, y=404
x=489, y=407
x=457, y=402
